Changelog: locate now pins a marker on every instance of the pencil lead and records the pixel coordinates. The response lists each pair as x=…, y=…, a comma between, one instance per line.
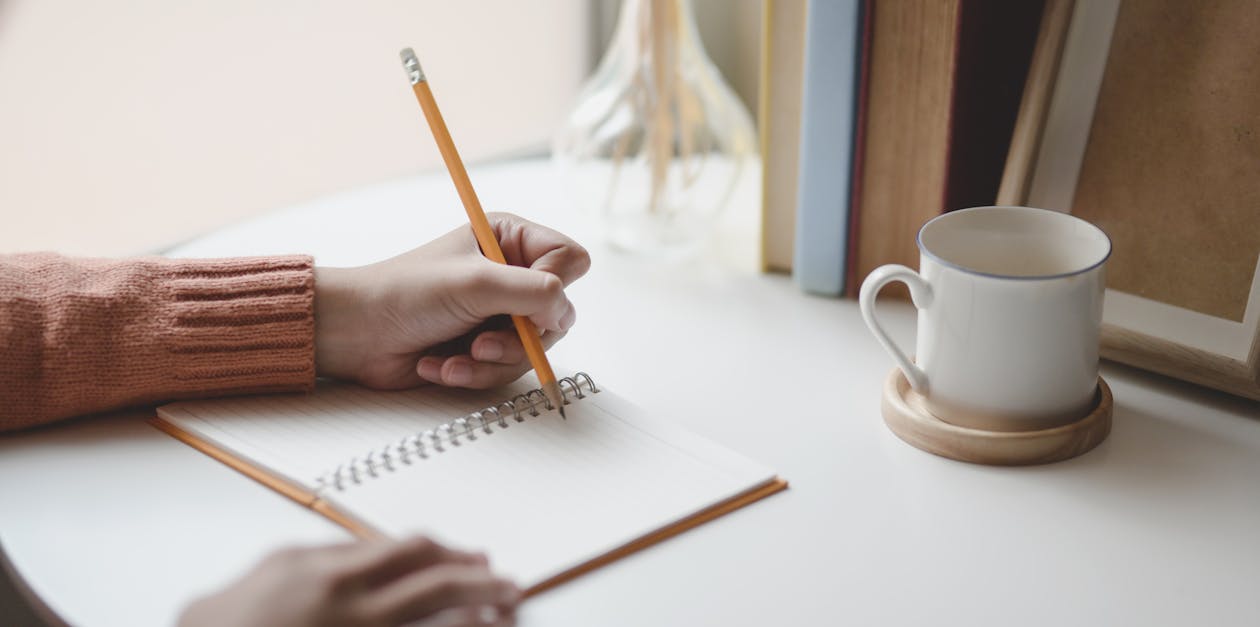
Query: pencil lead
x=552, y=391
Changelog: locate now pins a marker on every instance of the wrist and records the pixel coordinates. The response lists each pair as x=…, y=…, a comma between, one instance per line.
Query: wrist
x=337, y=323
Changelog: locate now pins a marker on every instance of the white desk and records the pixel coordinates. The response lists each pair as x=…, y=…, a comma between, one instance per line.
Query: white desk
x=114, y=523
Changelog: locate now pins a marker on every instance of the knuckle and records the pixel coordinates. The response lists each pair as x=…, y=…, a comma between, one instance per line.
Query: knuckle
x=552, y=286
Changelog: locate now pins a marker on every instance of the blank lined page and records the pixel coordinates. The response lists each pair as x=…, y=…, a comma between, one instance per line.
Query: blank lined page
x=545, y=495
x=542, y=495
x=302, y=436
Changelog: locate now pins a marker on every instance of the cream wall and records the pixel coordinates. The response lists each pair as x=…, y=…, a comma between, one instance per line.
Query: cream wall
x=127, y=126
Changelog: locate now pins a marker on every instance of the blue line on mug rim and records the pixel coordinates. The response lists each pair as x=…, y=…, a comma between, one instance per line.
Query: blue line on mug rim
x=918, y=239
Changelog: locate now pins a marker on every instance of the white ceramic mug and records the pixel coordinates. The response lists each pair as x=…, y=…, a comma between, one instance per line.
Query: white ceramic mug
x=1010, y=306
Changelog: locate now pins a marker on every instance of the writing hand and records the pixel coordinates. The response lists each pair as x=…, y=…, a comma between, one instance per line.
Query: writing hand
x=436, y=313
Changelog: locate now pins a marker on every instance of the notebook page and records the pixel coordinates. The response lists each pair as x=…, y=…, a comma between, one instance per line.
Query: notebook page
x=302, y=436
x=545, y=495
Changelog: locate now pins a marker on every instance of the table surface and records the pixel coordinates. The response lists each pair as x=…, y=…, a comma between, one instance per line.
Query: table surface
x=115, y=523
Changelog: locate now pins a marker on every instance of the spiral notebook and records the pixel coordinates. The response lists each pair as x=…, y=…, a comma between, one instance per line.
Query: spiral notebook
x=499, y=471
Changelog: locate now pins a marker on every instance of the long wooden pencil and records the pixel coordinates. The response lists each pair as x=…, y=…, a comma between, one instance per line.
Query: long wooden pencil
x=480, y=225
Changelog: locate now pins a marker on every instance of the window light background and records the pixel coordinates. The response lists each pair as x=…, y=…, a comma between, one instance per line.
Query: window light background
x=126, y=127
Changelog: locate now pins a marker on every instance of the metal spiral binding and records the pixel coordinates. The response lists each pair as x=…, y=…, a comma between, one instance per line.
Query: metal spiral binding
x=458, y=432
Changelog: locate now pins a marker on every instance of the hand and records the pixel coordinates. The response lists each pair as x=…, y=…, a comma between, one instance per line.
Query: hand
x=435, y=314
x=364, y=583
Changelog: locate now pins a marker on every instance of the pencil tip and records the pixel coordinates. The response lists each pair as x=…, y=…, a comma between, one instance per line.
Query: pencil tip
x=555, y=396
x=412, y=65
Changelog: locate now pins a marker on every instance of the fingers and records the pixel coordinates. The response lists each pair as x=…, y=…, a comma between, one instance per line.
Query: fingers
x=534, y=246
x=465, y=372
x=497, y=289
x=438, y=588
x=503, y=346
x=383, y=561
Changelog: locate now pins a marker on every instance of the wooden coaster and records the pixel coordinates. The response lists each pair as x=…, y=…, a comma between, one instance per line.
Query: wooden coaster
x=905, y=413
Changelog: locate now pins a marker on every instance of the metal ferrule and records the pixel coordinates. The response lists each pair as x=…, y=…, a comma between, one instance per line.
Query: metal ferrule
x=412, y=65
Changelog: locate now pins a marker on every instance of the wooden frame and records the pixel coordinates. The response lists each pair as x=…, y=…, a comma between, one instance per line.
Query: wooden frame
x=1049, y=165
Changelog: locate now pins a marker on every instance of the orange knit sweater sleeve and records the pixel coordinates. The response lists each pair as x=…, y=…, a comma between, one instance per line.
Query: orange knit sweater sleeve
x=79, y=336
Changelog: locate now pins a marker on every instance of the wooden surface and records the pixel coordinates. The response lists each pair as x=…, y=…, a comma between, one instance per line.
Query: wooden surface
x=905, y=414
x=1241, y=377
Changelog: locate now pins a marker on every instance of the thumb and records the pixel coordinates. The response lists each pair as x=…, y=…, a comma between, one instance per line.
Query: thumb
x=502, y=289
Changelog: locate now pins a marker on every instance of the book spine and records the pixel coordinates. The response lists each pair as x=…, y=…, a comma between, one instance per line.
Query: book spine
x=782, y=60
x=852, y=282
x=763, y=124
x=832, y=56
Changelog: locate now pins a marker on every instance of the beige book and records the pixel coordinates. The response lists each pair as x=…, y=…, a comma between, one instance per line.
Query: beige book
x=782, y=64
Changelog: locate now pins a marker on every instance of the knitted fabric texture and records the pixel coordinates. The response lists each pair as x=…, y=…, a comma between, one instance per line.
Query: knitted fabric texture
x=79, y=336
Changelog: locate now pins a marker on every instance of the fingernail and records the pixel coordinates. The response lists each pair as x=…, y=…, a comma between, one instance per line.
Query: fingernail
x=459, y=374
x=430, y=368
x=568, y=318
x=489, y=350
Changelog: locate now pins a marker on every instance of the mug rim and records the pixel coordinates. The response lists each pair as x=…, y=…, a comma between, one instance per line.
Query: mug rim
x=918, y=238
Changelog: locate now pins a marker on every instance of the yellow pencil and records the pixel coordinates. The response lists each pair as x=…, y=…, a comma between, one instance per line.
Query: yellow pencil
x=480, y=225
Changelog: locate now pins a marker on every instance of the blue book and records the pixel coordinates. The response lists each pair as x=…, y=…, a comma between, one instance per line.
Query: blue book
x=828, y=112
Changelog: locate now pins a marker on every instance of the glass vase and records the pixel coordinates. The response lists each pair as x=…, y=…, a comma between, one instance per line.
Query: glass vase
x=657, y=140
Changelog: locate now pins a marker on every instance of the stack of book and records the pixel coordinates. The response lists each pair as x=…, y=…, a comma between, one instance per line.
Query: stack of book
x=877, y=115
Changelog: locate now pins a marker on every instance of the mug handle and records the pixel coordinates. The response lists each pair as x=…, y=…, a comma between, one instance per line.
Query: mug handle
x=920, y=294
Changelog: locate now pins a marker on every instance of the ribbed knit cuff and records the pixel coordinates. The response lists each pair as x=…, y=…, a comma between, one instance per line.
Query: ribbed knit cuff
x=87, y=335
x=236, y=326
